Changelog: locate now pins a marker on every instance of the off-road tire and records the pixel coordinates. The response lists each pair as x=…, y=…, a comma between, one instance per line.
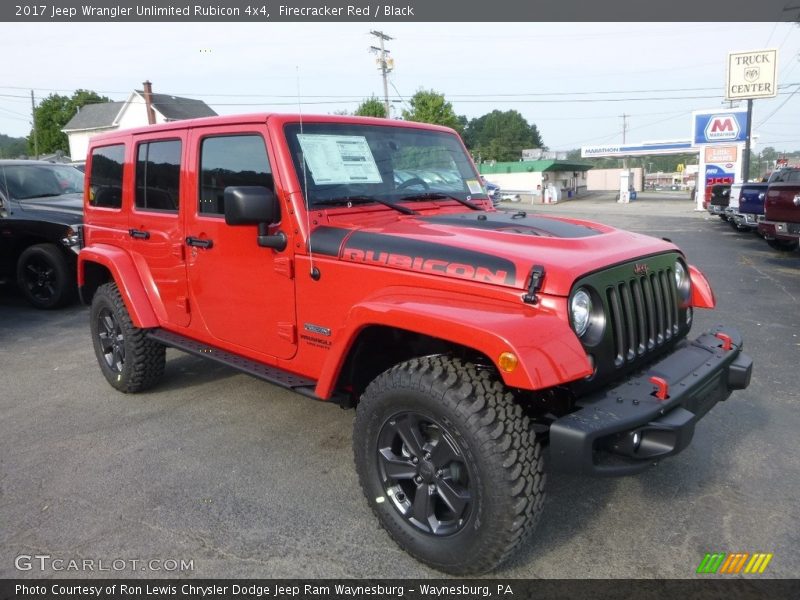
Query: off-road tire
x=129, y=360
x=498, y=449
x=783, y=245
x=45, y=277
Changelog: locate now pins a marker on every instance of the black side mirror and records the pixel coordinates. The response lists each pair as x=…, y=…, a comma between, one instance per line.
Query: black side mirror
x=251, y=205
x=255, y=205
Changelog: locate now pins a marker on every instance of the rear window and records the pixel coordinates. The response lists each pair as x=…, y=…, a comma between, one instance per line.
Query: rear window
x=158, y=167
x=105, y=182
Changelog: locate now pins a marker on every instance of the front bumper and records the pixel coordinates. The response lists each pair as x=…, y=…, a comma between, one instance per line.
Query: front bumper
x=790, y=230
x=716, y=209
x=748, y=220
x=623, y=430
x=775, y=230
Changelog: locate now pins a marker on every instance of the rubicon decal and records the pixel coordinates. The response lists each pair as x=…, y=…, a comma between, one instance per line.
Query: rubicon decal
x=414, y=255
x=723, y=563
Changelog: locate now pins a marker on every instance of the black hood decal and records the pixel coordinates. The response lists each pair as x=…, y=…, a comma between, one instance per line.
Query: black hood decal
x=413, y=255
x=328, y=240
x=518, y=222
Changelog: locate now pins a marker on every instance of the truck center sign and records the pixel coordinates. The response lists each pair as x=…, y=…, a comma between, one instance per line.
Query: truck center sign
x=752, y=75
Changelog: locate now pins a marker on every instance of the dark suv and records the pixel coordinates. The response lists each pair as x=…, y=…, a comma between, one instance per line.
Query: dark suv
x=40, y=217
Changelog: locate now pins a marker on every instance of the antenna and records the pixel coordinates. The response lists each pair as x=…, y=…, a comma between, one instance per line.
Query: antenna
x=313, y=272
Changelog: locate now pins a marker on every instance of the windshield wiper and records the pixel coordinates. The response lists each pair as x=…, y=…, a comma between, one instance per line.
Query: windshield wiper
x=345, y=200
x=440, y=196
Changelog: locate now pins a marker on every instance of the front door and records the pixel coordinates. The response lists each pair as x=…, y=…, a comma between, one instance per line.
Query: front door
x=242, y=293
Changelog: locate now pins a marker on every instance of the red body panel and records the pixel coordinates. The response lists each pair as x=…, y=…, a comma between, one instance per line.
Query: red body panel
x=702, y=294
x=125, y=273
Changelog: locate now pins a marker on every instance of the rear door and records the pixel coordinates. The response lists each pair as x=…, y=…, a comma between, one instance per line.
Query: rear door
x=243, y=293
x=155, y=224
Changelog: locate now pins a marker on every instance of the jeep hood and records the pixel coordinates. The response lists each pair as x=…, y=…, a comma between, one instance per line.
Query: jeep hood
x=498, y=248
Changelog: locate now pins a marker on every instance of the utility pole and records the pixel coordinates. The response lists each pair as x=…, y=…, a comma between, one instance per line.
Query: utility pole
x=624, y=126
x=746, y=157
x=35, y=133
x=624, y=132
x=385, y=65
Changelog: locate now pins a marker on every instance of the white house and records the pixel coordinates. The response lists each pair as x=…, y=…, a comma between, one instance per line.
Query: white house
x=141, y=108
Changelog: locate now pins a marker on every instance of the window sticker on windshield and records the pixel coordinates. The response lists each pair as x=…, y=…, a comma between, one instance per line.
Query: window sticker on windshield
x=474, y=186
x=334, y=159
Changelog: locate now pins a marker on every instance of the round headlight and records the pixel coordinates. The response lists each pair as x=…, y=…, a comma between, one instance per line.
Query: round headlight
x=682, y=281
x=580, y=308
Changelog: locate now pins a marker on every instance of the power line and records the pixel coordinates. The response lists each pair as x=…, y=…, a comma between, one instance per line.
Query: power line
x=361, y=96
x=797, y=89
x=403, y=100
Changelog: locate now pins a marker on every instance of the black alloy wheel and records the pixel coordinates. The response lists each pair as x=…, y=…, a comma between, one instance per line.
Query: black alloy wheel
x=129, y=360
x=111, y=340
x=424, y=474
x=449, y=463
x=44, y=276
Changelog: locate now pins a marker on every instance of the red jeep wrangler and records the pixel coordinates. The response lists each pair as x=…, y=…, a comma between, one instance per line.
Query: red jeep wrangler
x=360, y=260
x=781, y=223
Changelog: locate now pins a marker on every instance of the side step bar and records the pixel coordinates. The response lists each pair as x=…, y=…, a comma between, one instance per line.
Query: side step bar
x=297, y=383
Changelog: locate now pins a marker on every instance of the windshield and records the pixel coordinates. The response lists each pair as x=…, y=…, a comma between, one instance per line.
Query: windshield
x=40, y=181
x=340, y=162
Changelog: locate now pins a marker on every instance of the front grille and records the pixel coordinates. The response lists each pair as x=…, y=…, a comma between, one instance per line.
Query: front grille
x=643, y=314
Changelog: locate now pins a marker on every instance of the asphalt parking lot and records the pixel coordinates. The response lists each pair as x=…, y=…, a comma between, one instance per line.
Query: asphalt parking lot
x=248, y=480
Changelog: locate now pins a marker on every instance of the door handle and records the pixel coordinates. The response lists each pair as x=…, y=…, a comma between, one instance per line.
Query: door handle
x=199, y=243
x=139, y=234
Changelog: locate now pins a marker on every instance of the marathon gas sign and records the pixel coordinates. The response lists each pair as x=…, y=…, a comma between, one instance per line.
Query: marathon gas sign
x=722, y=126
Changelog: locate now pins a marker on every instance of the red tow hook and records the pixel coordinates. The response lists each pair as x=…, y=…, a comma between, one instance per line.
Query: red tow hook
x=727, y=342
x=662, y=387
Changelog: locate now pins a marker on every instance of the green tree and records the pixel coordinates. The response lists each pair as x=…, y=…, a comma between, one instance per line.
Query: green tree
x=769, y=155
x=501, y=135
x=371, y=107
x=428, y=106
x=52, y=114
x=12, y=147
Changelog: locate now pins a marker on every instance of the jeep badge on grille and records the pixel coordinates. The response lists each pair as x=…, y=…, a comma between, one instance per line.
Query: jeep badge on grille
x=641, y=268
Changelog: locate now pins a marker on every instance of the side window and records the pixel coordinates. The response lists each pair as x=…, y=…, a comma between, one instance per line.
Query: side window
x=105, y=181
x=228, y=161
x=794, y=176
x=158, y=169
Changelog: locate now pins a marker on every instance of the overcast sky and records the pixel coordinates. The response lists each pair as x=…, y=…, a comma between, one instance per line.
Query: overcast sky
x=560, y=76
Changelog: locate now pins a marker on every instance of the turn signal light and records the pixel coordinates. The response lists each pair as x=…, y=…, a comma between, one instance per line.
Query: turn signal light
x=508, y=361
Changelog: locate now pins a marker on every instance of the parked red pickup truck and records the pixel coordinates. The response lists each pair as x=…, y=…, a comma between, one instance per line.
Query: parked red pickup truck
x=781, y=223
x=320, y=254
